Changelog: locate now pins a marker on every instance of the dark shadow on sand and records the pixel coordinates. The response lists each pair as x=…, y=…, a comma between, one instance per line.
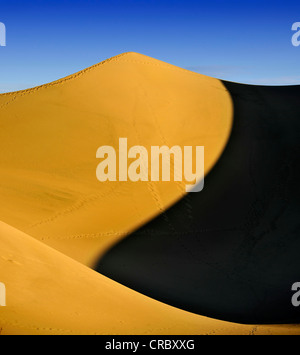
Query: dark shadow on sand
x=232, y=251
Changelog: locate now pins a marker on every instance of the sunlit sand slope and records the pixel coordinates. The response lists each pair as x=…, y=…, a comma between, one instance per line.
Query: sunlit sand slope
x=49, y=137
x=49, y=293
x=235, y=256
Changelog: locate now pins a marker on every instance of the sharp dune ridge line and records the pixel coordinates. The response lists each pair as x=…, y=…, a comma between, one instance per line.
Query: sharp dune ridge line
x=50, y=135
x=50, y=293
x=57, y=219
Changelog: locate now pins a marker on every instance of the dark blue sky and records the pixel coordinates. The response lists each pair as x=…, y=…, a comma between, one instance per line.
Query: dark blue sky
x=244, y=41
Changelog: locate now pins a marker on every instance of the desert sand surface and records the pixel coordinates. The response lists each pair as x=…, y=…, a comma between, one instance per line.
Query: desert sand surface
x=239, y=245
x=57, y=219
x=50, y=135
x=50, y=293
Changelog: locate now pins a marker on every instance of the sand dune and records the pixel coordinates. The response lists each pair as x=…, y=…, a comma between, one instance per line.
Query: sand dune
x=49, y=137
x=49, y=293
x=57, y=218
x=240, y=243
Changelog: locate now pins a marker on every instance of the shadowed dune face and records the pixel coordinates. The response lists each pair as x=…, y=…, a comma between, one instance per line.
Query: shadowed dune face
x=50, y=135
x=49, y=293
x=232, y=251
x=48, y=141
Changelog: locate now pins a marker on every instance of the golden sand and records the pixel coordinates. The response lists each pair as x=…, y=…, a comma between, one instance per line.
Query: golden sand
x=50, y=293
x=50, y=135
x=57, y=218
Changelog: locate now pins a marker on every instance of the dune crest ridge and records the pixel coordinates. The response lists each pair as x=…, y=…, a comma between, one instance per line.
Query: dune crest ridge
x=50, y=134
x=57, y=216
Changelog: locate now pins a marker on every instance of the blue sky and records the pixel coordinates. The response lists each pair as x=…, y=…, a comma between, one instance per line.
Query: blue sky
x=243, y=41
